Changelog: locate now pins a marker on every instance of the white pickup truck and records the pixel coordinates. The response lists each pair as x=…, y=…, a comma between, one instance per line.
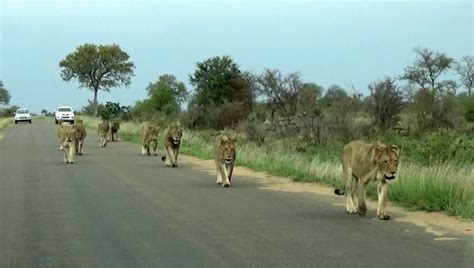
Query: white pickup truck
x=64, y=114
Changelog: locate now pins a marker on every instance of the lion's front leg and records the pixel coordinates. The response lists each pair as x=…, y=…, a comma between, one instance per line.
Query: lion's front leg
x=168, y=157
x=382, y=190
x=175, y=158
x=155, y=144
x=350, y=189
x=225, y=176
x=219, y=175
x=65, y=156
x=361, y=194
x=72, y=152
x=229, y=170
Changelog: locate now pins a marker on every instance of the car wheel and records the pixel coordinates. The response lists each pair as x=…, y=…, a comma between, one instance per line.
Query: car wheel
x=30, y=121
x=56, y=121
x=16, y=122
x=72, y=122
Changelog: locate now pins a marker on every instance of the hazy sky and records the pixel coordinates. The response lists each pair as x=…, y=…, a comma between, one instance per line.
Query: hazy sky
x=328, y=42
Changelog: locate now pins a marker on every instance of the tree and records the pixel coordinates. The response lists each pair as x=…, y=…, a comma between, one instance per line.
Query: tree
x=98, y=67
x=386, y=102
x=281, y=92
x=167, y=94
x=333, y=94
x=427, y=69
x=223, y=94
x=431, y=98
x=465, y=69
x=44, y=112
x=309, y=97
x=4, y=95
x=212, y=80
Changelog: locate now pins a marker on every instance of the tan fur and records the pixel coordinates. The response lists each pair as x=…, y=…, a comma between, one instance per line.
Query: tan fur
x=80, y=135
x=149, y=133
x=224, y=156
x=114, y=128
x=103, y=132
x=67, y=141
x=172, y=141
x=362, y=163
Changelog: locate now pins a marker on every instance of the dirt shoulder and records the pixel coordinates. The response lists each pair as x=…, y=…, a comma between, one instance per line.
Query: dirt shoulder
x=435, y=223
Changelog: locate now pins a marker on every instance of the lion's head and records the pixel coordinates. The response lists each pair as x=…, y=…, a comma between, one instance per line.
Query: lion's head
x=152, y=131
x=227, y=149
x=175, y=132
x=115, y=126
x=67, y=133
x=387, y=159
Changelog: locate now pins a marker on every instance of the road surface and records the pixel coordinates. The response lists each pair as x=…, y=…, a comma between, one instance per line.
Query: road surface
x=116, y=208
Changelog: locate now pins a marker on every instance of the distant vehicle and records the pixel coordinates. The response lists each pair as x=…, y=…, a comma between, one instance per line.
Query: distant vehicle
x=64, y=114
x=22, y=115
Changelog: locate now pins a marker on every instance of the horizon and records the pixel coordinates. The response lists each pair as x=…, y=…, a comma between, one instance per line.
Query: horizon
x=347, y=43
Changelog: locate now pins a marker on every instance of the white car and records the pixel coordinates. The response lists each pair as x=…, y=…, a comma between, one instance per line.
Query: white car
x=22, y=115
x=64, y=114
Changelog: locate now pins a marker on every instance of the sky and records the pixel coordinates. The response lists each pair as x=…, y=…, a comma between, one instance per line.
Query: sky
x=349, y=43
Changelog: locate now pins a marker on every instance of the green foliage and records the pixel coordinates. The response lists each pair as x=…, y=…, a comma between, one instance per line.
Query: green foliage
x=98, y=67
x=333, y=94
x=4, y=95
x=8, y=111
x=386, y=102
x=89, y=109
x=468, y=103
x=213, y=80
x=465, y=70
x=220, y=88
x=113, y=111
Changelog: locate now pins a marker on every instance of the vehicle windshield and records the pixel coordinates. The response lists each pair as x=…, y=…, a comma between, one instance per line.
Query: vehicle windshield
x=23, y=111
x=64, y=109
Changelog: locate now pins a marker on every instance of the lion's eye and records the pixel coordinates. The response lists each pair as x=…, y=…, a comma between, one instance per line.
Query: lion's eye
x=385, y=161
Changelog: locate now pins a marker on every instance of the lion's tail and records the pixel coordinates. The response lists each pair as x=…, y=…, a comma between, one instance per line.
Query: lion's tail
x=163, y=158
x=340, y=191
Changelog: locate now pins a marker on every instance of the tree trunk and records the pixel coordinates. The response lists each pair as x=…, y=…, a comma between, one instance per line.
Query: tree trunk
x=96, y=110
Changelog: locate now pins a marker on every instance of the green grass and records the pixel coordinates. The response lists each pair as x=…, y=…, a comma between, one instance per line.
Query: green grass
x=446, y=187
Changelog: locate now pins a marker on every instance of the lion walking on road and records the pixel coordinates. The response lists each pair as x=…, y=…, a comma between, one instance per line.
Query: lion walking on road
x=67, y=140
x=224, y=156
x=79, y=136
x=172, y=142
x=362, y=163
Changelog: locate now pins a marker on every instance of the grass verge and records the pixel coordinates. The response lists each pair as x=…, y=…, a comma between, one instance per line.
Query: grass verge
x=446, y=187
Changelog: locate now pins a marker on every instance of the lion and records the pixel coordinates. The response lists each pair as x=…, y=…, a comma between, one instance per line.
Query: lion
x=67, y=139
x=172, y=141
x=224, y=153
x=114, y=128
x=362, y=163
x=102, y=131
x=149, y=134
x=79, y=136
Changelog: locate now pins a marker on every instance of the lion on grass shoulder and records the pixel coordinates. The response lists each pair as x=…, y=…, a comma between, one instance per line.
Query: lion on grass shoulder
x=224, y=156
x=362, y=163
x=172, y=141
x=149, y=133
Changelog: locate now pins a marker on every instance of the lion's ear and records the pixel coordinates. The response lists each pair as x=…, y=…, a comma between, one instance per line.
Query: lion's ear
x=234, y=137
x=395, y=149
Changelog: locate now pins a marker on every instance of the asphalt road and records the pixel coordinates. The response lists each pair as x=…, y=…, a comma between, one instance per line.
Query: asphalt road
x=116, y=208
